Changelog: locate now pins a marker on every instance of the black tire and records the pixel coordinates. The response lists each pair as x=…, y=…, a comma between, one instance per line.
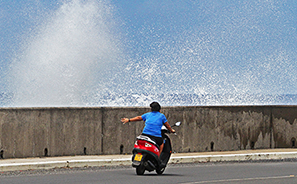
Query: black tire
x=160, y=171
x=140, y=169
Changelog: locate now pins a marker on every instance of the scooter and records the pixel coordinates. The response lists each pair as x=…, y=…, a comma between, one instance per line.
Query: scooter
x=146, y=153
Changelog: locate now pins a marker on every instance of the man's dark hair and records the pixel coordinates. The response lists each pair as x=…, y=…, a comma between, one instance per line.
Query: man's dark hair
x=155, y=106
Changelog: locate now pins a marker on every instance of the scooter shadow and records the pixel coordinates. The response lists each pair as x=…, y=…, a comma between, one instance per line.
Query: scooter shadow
x=160, y=175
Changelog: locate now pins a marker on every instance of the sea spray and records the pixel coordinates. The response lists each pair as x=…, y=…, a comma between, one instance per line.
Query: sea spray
x=61, y=63
x=109, y=53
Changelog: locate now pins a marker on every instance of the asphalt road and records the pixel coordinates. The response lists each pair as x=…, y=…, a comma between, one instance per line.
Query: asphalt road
x=244, y=173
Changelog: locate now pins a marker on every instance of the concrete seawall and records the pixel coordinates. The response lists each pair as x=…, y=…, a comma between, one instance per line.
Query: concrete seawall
x=40, y=132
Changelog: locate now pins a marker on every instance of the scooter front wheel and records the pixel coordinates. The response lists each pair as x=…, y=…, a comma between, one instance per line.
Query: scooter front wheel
x=140, y=169
x=160, y=171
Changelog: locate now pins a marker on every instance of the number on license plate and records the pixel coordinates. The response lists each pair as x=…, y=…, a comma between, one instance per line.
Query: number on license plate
x=138, y=157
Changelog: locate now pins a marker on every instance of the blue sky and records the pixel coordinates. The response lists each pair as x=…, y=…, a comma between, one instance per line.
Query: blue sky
x=170, y=46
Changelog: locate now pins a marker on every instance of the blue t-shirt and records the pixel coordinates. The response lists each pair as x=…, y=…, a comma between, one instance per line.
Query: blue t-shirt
x=153, y=123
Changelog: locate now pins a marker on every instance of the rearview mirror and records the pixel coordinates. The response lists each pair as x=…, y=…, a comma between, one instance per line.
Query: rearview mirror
x=177, y=123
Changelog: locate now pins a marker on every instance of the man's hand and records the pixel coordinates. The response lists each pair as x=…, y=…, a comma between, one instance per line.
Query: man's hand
x=125, y=120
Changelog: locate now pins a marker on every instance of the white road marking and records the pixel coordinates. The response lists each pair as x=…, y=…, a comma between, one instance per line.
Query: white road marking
x=243, y=179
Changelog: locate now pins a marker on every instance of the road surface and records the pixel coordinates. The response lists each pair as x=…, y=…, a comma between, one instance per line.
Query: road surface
x=235, y=173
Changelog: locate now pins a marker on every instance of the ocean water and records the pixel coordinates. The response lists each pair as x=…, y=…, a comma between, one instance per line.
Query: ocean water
x=195, y=99
x=131, y=100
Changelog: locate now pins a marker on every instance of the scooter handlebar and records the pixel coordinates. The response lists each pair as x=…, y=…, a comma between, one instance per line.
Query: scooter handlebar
x=165, y=130
x=168, y=132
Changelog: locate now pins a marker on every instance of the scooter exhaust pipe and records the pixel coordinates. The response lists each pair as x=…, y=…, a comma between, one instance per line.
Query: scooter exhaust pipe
x=149, y=166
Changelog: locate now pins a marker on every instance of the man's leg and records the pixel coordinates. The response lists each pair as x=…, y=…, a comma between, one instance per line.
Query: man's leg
x=161, y=148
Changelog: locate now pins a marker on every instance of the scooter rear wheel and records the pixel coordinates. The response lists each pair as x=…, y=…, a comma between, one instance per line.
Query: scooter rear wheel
x=140, y=170
x=160, y=171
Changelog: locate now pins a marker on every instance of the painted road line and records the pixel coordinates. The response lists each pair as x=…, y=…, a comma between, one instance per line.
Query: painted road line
x=241, y=180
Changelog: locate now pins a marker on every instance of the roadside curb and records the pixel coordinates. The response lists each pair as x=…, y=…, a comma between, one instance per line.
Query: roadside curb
x=64, y=164
x=234, y=157
x=123, y=160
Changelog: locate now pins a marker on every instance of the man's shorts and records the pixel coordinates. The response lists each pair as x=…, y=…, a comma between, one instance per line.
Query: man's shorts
x=158, y=140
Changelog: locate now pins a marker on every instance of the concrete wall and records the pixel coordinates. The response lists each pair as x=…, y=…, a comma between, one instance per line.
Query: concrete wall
x=39, y=132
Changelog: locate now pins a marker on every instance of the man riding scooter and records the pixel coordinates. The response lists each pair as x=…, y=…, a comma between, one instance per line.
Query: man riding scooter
x=154, y=121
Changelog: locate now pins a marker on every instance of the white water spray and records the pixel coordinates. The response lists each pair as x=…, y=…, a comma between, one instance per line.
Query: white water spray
x=62, y=61
x=185, y=53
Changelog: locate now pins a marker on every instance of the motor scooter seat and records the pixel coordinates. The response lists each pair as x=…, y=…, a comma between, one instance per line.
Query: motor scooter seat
x=148, y=139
